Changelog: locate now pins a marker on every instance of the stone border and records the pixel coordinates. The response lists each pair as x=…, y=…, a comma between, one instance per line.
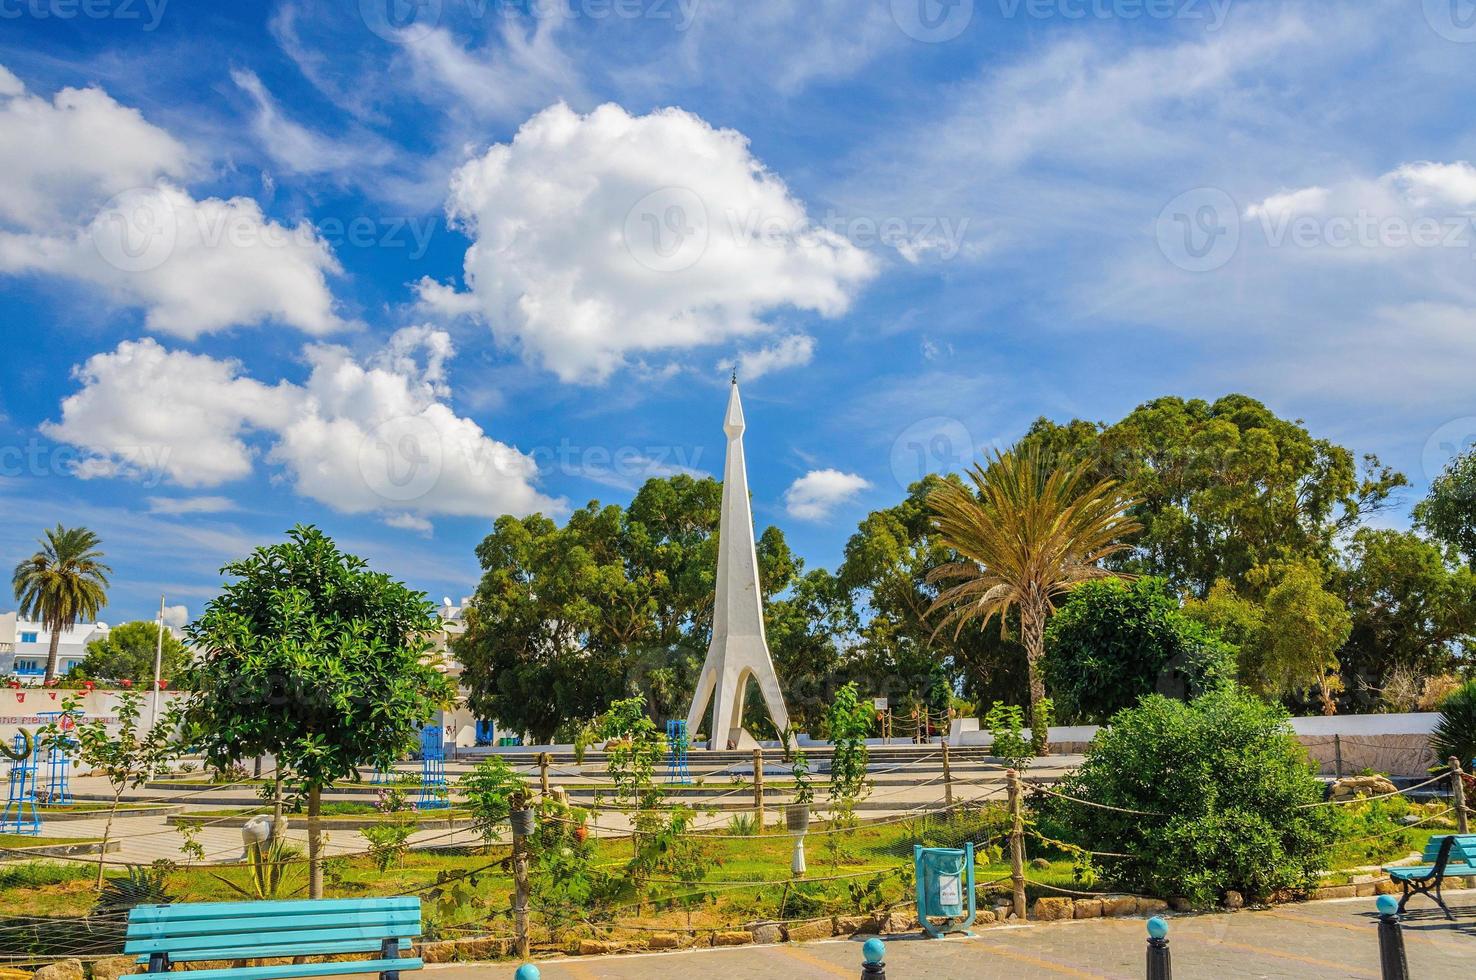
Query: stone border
x=328, y=823
x=63, y=816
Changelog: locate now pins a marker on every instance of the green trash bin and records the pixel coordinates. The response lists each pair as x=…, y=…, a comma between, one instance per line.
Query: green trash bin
x=945, y=886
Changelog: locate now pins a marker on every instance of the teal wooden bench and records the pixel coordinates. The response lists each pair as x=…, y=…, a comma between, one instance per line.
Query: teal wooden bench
x=163, y=935
x=1446, y=856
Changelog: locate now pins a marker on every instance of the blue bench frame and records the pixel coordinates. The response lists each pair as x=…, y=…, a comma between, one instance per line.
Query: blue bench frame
x=1425, y=879
x=163, y=935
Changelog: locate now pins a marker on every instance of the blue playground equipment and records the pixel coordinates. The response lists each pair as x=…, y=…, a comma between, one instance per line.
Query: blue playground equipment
x=383, y=775
x=433, y=792
x=58, y=761
x=945, y=878
x=20, y=815
x=677, y=743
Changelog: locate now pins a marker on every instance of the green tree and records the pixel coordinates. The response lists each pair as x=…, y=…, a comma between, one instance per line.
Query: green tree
x=1449, y=511
x=811, y=632
x=63, y=582
x=1230, y=791
x=311, y=657
x=1411, y=609
x=1112, y=642
x=127, y=653
x=616, y=601
x=1305, y=625
x=1028, y=532
x=1224, y=487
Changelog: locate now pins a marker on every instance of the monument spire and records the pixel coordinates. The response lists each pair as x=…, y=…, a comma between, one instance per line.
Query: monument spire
x=739, y=650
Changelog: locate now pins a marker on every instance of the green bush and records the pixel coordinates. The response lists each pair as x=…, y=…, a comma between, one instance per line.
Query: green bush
x=1455, y=732
x=1227, y=783
x=1113, y=641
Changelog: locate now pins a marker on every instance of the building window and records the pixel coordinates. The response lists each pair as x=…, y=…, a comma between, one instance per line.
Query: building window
x=28, y=667
x=28, y=637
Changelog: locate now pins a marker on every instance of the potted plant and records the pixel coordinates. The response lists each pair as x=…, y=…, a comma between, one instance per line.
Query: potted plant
x=797, y=814
x=520, y=805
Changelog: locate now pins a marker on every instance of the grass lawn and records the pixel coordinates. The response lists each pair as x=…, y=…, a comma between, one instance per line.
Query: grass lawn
x=874, y=862
x=26, y=840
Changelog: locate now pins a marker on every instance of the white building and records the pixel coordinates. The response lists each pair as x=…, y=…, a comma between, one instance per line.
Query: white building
x=25, y=645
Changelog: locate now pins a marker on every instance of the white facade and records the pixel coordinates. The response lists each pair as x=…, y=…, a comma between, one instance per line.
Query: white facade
x=24, y=646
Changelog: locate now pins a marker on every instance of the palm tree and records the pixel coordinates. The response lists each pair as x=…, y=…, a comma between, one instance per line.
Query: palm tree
x=1027, y=532
x=63, y=582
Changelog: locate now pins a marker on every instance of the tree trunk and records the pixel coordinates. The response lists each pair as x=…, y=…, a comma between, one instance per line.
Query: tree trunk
x=279, y=824
x=107, y=834
x=51, y=657
x=315, y=842
x=1032, y=634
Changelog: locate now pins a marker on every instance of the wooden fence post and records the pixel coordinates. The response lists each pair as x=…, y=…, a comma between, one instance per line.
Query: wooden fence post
x=1338, y=755
x=1017, y=843
x=544, y=758
x=758, y=791
x=1458, y=794
x=520, y=893
x=947, y=779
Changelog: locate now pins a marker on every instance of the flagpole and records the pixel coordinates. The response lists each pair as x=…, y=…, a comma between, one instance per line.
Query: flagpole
x=158, y=662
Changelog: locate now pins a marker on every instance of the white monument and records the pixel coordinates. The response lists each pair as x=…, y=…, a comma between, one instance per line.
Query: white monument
x=738, y=650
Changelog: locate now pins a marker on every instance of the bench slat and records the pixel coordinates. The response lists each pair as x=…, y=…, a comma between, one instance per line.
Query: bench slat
x=252, y=924
x=304, y=970
x=264, y=952
x=214, y=910
x=368, y=937
x=1452, y=870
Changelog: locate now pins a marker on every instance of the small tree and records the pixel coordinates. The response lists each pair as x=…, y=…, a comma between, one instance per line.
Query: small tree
x=849, y=720
x=1455, y=732
x=128, y=757
x=310, y=657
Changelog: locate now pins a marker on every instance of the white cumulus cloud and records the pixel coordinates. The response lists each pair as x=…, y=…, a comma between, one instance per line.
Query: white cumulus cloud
x=796, y=350
x=64, y=157
x=602, y=235
x=819, y=492
x=373, y=437
x=92, y=193
x=195, y=266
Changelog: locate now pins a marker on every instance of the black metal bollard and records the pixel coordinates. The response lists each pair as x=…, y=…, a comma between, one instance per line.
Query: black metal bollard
x=1391, y=940
x=1160, y=966
x=872, y=967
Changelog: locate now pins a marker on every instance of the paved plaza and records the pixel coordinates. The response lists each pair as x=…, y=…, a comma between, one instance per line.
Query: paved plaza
x=1316, y=939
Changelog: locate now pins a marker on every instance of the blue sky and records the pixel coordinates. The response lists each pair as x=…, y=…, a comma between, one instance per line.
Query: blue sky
x=398, y=269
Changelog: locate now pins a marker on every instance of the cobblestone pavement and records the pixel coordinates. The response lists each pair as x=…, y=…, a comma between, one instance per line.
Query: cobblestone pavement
x=1317, y=939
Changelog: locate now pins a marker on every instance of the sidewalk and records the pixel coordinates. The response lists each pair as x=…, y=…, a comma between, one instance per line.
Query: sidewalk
x=1318, y=939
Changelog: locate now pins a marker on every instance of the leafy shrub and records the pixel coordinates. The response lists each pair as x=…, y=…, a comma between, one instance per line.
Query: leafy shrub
x=389, y=841
x=139, y=885
x=33, y=874
x=1006, y=723
x=1227, y=783
x=1455, y=732
x=1112, y=642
